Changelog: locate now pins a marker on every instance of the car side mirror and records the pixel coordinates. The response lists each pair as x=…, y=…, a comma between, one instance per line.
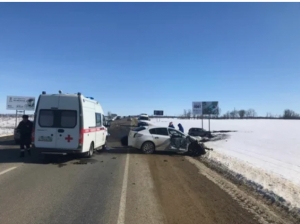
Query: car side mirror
x=107, y=124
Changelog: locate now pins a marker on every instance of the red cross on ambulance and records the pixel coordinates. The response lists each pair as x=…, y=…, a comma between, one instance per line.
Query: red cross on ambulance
x=69, y=138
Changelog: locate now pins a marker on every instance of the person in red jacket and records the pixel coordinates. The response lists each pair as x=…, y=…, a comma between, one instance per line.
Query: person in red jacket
x=25, y=127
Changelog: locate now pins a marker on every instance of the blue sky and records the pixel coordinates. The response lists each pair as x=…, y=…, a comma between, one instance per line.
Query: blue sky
x=140, y=57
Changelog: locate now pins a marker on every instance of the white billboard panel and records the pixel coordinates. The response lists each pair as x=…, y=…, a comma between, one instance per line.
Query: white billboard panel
x=20, y=103
x=197, y=108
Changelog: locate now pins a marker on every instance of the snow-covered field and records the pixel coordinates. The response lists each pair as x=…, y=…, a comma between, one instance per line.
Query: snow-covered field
x=7, y=124
x=264, y=151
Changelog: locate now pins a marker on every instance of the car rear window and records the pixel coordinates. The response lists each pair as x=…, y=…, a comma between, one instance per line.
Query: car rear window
x=139, y=129
x=159, y=131
x=57, y=118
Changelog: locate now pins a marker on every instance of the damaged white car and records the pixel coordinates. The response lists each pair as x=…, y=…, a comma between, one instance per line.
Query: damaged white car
x=152, y=138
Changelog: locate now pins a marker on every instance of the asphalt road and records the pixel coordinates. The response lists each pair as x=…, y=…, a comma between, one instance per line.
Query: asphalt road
x=119, y=186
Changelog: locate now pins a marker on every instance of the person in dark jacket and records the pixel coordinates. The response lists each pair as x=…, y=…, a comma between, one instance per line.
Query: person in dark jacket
x=25, y=127
x=180, y=128
x=171, y=125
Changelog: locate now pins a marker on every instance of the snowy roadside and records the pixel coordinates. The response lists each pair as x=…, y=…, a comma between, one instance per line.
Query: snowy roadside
x=254, y=155
x=7, y=125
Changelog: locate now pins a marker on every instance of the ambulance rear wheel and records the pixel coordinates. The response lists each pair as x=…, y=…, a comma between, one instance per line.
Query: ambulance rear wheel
x=90, y=153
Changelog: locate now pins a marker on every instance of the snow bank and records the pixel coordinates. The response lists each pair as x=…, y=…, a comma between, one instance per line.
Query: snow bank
x=264, y=151
x=7, y=124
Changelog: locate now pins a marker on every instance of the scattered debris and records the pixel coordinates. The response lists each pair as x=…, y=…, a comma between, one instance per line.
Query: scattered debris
x=80, y=163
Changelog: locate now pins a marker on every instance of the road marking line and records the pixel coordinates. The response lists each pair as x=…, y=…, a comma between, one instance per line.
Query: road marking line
x=5, y=171
x=122, y=208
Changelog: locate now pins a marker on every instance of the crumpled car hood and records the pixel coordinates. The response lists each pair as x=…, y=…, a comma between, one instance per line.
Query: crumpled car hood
x=195, y=138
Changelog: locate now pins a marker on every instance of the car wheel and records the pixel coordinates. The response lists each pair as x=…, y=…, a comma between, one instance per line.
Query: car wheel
x=124, y=140
x=104, y=147
x=195, y=150
x=148, y=148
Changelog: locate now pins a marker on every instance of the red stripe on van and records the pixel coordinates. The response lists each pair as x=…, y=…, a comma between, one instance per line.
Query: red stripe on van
x=88, y=130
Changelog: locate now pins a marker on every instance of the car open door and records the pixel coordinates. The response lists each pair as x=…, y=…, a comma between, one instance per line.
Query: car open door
x=178, y=140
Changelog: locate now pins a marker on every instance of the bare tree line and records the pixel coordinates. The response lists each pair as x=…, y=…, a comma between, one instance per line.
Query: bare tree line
x=242, y=114
x=234, y=114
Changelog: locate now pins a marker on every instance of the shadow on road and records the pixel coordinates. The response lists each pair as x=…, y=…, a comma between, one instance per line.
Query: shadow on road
x=11, y=155
x=129, y=150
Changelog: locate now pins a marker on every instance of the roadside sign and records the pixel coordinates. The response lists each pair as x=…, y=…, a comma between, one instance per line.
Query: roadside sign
x=159, y=112
x=20, y=103
x=197, y=108
x=210, y=108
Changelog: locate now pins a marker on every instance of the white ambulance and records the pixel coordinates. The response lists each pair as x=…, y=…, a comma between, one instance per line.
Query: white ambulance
x=68, y=123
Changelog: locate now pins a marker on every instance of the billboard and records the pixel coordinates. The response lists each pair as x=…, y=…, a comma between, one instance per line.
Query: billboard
x=210, y=107
x=197, y=108
x=159, y=112
x=20, y=103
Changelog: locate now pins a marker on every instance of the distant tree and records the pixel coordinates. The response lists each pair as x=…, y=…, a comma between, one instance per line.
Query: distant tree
x=251, y=113
x=242, y=113
x=184, y=113
x=189, y=114
x=227, y=115
x=290, y=114
x=218, y=113
x=234, y=114
x=269, y=115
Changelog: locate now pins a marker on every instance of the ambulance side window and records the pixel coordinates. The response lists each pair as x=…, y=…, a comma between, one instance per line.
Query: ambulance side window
x=98, y=120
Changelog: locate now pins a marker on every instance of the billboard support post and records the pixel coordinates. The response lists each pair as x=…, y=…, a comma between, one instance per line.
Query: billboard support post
x=16, y=119
x=209, y=123
x=17, y=112
x=210, y=108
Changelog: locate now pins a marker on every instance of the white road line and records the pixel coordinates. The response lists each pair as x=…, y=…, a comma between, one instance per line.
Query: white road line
x=10, y=169
x=122, y=208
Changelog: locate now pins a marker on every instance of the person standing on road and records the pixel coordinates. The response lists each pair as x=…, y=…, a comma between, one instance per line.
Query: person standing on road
x=180, y=128
x=25, y=127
